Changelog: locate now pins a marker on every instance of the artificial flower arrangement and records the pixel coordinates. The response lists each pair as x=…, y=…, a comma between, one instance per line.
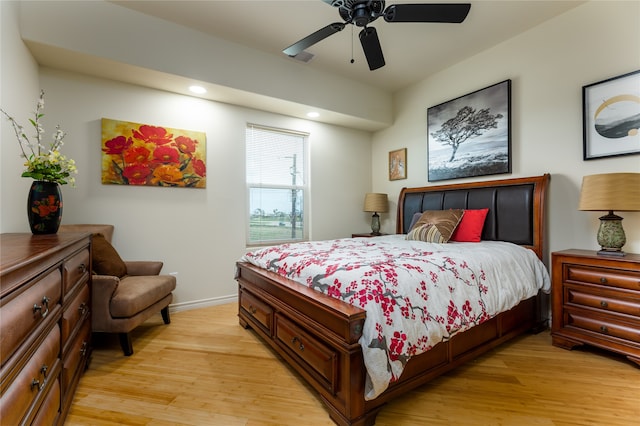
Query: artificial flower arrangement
x=43, y=163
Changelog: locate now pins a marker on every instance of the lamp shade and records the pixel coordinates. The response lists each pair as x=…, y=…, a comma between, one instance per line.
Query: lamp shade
x=610, y=192
x=374, y=202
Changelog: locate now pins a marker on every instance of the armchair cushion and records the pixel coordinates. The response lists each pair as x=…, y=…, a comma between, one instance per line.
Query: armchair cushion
x=105, y=259
x=137, y=293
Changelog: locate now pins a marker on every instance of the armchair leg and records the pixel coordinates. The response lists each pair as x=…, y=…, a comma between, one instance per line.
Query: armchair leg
x=165, y=315
x=125, y=343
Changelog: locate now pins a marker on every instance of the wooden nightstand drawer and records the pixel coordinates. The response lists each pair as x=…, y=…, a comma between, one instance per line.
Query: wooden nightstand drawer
x=604, y=327
x=606, y=301
x=603, y=276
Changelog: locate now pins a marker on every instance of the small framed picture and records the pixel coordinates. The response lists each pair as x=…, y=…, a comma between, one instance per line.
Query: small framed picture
x=611, y=117
x=398, y=164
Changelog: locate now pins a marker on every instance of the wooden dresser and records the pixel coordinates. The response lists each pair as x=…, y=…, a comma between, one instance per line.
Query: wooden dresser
x=45, y=324
x=596, y=301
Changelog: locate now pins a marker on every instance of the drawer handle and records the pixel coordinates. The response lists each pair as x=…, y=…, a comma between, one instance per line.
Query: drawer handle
x=83, y=349
x=252, y=309
x=301, y=347
x=604, y=304
x=45, y=305
x=83, y=309
x=603, y=280
x=82, y=268
x=604, y=329
x=35, y=383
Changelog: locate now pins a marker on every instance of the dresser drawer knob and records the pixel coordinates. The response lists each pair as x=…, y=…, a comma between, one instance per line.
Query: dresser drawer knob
x=603, y=280
x=252, y=309
x=82, y=268
x=604, y=303
x=83, y=349
x=44, y=308
x=604, y=329
x=294, y=340
x=83, y=309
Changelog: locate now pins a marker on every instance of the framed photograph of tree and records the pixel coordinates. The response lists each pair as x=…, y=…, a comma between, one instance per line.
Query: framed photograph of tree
x=470, y=135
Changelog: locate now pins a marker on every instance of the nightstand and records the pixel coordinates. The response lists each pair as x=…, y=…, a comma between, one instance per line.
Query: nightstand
x=366, y=235
x=596, y=301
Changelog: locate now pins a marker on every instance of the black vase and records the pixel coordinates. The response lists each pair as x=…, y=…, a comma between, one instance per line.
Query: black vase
x=44, y=207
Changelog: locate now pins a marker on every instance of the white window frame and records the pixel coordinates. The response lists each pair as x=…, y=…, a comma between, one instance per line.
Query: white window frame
x=304, y=187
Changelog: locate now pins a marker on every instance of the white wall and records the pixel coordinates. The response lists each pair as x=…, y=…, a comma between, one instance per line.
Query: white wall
x=199, y=233
x=19, y=90
x=548, y=66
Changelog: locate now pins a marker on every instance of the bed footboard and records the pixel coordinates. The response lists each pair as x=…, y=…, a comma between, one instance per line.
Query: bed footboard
x=318, y=337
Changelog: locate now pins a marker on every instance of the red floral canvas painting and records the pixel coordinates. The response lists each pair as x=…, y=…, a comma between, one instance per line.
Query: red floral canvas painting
x=146, y=155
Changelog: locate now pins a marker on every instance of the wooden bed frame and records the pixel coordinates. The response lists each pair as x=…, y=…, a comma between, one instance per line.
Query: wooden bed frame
x=318, y=335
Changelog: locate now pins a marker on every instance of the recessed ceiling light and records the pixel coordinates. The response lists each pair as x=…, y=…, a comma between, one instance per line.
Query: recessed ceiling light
x=198, y=89
x=313, y=114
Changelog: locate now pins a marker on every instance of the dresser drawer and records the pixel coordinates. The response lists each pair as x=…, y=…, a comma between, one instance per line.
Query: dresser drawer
x=75, y=313
x=25, y=312
x=603, y=276
x=258, y=310
x=34, y=378
x=604, y=327
x=75, y=356
x=76, y=268
x=608, y=301
x=322, y=360
x=50, y=408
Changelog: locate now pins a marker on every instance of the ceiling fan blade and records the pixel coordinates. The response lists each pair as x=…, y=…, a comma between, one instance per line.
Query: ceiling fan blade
x=371, y=46
x=314, y=38
x=436, y=12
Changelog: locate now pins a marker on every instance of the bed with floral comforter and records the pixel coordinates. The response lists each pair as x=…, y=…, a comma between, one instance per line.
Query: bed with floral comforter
x=352, y=328
x=415, y=294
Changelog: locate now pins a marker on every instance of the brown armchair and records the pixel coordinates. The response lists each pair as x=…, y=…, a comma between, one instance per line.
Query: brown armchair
x=124, y=293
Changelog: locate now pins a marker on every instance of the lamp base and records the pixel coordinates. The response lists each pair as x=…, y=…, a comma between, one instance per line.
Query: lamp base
x=611, y=235
x=375, y=224
x=611, y=253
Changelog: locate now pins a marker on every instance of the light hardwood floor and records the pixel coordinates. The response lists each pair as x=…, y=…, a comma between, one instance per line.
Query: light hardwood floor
x=204, y=369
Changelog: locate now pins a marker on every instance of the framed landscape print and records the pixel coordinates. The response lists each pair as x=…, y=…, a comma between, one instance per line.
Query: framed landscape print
x=611, y=117
x=470, y=135
x=398, y=164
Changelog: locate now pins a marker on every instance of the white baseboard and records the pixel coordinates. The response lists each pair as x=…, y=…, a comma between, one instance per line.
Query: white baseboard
x=203, y=303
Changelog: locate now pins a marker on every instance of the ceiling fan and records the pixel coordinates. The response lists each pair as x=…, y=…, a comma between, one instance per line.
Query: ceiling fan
x=362, y=12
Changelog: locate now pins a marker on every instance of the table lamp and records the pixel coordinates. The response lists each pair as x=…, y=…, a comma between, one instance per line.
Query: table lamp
x=609, y=192
x=374, y=202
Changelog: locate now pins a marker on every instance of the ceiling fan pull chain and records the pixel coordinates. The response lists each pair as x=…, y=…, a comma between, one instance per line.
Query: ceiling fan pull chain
x=352, y=60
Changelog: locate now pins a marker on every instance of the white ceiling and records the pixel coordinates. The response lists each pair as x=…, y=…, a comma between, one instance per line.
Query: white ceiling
x=412, y=51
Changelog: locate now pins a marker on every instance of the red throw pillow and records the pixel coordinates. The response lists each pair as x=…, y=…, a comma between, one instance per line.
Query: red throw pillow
x=470, y=228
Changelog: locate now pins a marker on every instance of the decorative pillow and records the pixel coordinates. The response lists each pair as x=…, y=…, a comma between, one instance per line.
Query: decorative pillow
x=470, y=227
x=436, y=226
x=414, y=220
x=105, y=259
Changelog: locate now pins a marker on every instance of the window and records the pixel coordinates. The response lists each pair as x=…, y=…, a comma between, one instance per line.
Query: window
x=276, y=184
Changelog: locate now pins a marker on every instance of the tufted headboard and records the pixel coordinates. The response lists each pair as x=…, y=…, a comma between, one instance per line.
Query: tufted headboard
x=516, y=207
